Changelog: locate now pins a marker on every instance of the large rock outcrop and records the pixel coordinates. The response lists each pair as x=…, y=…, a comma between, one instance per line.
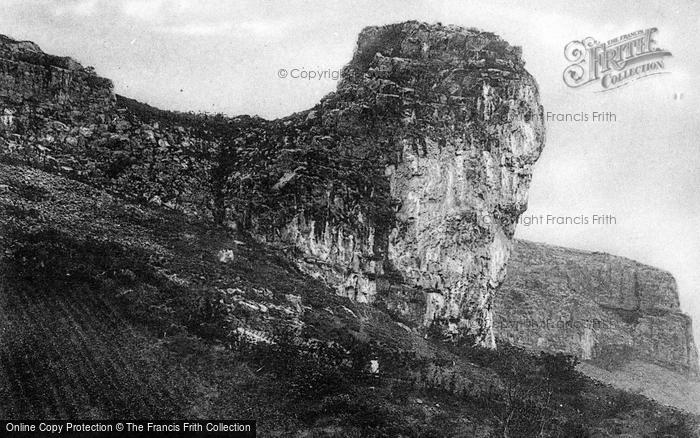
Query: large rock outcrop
x=414, y=171
x=406, y=181
x=30, y=76
x=606, y=309
x=57, y=115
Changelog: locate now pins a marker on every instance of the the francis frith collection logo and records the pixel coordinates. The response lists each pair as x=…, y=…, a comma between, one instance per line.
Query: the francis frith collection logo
x=616, y=62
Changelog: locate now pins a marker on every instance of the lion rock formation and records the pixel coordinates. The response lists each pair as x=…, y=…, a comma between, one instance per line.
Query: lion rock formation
x=401, y=188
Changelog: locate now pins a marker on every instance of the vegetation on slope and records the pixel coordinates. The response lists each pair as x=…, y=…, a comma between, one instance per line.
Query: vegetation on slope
x=111, y=309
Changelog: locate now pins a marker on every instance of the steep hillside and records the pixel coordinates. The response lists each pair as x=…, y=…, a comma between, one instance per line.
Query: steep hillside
x=113, y=309
x=597, y=306
x=659, y=383
x=612, y=312
x=330, y=273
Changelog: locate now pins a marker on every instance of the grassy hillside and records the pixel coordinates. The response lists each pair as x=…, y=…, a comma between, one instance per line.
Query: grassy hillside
x=111, y=309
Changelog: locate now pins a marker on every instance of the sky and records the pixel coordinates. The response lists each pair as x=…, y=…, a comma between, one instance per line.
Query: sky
x=643, y=169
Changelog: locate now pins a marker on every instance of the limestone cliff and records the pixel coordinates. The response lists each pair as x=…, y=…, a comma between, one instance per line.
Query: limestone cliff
x=408, y=178
x=414, y=171
x=401, y=189
x=57, y=115
x=606, y=309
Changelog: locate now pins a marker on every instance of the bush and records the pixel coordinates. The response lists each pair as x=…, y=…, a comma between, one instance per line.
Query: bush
x=312, y=369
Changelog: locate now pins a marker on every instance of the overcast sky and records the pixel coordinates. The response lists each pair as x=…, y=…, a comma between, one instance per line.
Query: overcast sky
x=224, y=57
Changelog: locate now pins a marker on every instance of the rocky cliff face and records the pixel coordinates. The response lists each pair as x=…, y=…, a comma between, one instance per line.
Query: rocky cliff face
x=606, y=309
x=414, y=172
x=405, y=181
x=32, y=76
x=42, y=95
x=60, y=116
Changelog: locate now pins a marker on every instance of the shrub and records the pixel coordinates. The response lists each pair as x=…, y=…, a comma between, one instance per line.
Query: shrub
x=312, y=369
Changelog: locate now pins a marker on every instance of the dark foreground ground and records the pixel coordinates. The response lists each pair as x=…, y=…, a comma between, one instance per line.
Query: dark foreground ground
x=113, y=310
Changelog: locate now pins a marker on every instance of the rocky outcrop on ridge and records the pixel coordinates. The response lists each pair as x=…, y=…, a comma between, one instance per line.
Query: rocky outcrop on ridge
x=416, y=167
x=60, y=116
x=605, y=309
x=405, y=181
x=399, y=191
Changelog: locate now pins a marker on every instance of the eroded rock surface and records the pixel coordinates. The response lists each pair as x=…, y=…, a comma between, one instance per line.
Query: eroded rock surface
x=406, y=180
x=59, y=116
x=606, y=309
x=414, y=171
